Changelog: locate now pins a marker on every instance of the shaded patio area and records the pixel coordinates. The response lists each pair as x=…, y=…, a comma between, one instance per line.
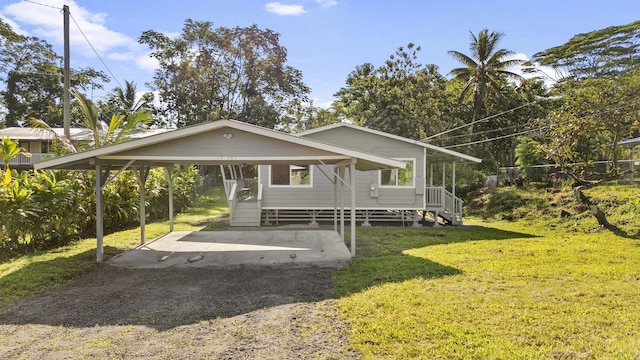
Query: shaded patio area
x=188, y=249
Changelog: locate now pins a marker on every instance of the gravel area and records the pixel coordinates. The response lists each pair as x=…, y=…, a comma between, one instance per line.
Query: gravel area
x=241, y=312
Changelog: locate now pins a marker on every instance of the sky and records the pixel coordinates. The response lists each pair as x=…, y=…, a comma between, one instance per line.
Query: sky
x=325, y=39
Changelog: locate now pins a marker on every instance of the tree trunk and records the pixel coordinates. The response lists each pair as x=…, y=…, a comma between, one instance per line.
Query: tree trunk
x=600, y=216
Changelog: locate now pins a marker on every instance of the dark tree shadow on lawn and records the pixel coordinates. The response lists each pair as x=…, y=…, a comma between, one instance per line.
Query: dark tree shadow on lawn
x=381, y=257
x=171, y=297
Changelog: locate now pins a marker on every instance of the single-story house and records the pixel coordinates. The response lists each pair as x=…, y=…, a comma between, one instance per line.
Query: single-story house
x=227, y=143
x=297, y=191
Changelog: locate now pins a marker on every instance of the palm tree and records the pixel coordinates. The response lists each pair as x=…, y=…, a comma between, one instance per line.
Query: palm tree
x=119, y=127
x=484, y=70
x=126, y=99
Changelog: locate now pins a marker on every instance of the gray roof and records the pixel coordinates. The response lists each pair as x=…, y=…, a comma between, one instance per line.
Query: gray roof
x=435, y=152
x=634, y=141
x=219, y=142
x=33, y=134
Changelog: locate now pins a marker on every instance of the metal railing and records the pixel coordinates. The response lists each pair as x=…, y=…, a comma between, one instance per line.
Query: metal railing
x=23, y=160
x=438, y=198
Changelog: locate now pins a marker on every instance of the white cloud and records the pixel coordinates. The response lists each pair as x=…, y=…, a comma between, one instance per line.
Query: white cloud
x=327, y=3
x=46, y=22
x=284, y=9
x=547, y=74
x=14, y=26
x=147, y=62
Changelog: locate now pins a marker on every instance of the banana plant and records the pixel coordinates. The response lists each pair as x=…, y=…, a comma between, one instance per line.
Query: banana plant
x=9, y=150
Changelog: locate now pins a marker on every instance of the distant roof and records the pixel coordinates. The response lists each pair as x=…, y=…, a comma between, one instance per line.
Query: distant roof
x=27, y=133
x=634, y=141
x=77, y=134
x=440, y=153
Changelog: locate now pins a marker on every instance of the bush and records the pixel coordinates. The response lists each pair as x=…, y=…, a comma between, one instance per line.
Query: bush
x=45, y=209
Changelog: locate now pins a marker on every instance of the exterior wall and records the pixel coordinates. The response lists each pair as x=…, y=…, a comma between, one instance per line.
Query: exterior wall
x=320, y=196
x=240, y=144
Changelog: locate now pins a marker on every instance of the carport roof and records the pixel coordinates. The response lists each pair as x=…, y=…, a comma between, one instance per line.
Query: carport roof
x=221, y=142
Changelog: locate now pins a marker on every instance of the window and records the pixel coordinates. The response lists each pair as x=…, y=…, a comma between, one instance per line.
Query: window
x=291, y=175
x=398, y=177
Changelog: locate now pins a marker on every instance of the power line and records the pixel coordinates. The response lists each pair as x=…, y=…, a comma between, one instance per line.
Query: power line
x=479, y=120
x=538, y=128
x=95, y=52
x=482, y=132
x=41, y=4
x=497, y=138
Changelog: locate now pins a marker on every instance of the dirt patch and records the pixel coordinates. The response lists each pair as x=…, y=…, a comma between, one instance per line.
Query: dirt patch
x=243, y=312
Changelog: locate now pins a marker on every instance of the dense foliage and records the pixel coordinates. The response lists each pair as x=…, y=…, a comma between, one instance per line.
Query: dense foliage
x=50, y=208
x=210, y=73
x=31, y=79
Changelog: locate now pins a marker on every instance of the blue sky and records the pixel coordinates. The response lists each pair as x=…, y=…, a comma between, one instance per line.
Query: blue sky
x=325, y=39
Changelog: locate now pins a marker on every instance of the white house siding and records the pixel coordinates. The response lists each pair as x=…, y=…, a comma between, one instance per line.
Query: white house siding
x=320, y=196
x=238, y=145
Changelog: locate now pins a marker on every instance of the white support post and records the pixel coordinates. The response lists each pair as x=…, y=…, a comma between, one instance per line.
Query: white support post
x=430, y=174
x=99, y=216
x=444, y=171
x=169, y=171
x=352, y=177
x=142, y=179
x=335, y=200
x=341, y=169
x=453, y=180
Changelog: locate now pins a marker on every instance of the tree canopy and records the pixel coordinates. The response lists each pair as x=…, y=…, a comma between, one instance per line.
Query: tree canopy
x=484, y=70
x=611, y=51
x=209, y=73
x=32, y=74
x=401, y=97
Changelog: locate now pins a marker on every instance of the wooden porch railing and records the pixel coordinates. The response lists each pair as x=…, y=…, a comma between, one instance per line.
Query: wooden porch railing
x=23, y=160
x=439, y=199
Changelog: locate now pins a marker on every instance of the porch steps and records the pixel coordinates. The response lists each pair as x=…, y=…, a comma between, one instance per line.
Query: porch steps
x=245, y=213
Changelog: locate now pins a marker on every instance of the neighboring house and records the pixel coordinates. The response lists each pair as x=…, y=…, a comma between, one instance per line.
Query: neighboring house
x=298, y=192
x=38, y=141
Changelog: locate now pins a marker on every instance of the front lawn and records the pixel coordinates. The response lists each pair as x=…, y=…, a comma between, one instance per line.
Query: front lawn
x=498, y=290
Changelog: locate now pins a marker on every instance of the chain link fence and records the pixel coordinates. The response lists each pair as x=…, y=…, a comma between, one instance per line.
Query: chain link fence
x=552, y=174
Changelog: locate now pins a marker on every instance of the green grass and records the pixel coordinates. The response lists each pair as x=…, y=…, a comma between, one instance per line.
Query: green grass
x=498, y=290
x=33, y=273
x=533, y=287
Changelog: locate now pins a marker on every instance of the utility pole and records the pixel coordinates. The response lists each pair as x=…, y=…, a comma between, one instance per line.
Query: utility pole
x=66, y=106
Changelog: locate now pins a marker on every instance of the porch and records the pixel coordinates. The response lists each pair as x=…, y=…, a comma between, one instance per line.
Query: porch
x=244, y=198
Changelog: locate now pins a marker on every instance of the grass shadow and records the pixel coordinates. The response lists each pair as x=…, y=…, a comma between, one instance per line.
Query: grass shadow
x=622, y=233
x=381, y=258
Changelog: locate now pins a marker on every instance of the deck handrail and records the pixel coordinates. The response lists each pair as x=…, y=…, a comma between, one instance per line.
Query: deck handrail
x=23, y=160
x=438, y=198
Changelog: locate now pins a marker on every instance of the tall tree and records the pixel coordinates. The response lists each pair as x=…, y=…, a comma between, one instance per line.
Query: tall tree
x=611, y=51
x=401, y=97
x=207, y=74
x=596, y=114
x=32, y=74
x=116, y=129
x=485, y=69
x=125, y=101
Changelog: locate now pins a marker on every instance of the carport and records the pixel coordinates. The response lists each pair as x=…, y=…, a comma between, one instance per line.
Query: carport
x=222, y=142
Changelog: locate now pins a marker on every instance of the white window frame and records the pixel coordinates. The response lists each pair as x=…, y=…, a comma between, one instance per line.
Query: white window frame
x=413, y=179
x=309, y=185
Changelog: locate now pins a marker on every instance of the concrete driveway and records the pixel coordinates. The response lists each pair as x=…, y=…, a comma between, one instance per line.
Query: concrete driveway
x=237, y=247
